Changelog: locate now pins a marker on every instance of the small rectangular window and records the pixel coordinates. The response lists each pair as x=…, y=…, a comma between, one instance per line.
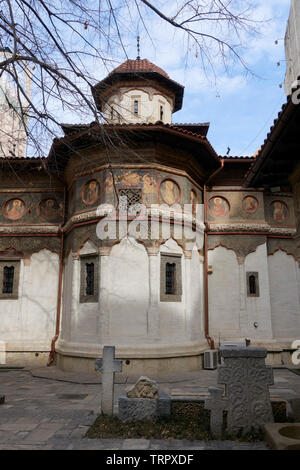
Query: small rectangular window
x=170, y=278
x=9, y=279
x=136, y=107
x=89, y=278
x=252, y=284
x=129, y=197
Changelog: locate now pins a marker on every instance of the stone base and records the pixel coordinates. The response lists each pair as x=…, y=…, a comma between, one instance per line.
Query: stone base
x=134, y=368
x=26, y=358
x=135, y=409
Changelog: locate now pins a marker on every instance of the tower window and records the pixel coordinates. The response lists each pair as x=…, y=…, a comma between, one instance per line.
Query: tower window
x=252, y=284
x=161, y=113
x=136, y=107
x=89, y=278
x=170, y=278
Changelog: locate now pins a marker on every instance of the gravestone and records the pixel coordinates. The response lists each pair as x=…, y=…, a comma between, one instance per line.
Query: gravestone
x=216, y=404
x=144, y=401
x=108, y=365
x=246, y=379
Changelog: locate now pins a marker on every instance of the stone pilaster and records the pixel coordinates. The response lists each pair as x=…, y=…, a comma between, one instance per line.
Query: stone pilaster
x=188, y=293
x=243, y=295
x=154, y=276
x=75, y=292
x=104, y=252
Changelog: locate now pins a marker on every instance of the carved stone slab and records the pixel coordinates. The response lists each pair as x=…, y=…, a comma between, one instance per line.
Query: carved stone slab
x=246, y=379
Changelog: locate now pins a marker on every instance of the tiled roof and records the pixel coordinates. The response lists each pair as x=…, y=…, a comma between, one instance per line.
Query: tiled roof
x=138, y=65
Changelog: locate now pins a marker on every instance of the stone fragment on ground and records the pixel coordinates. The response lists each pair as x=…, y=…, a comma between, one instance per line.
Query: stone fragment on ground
x=143, y=388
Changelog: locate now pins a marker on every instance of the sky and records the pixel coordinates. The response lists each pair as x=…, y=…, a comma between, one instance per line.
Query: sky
x=240, y=106
x=240, y=103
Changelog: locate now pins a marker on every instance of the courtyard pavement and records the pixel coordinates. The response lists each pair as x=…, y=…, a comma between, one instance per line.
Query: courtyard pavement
x=48, y=409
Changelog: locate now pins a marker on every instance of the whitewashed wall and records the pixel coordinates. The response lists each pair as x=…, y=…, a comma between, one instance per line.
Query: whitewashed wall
x=173, y=314
x=150, y=101
x=223, y=294
x=128, y=290
x=28, y=323
x=259, y=308
x=284, y=294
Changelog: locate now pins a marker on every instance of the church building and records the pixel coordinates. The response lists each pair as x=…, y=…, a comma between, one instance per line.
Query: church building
x=161, y=299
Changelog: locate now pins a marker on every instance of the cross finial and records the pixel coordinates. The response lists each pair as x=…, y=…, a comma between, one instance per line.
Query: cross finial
x=138, y=47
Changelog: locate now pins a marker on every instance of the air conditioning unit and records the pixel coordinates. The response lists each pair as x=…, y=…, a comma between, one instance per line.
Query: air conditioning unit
x=210, y=359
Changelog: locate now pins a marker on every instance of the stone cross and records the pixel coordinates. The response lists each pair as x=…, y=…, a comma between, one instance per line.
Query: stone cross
x=246, y=379
x=108, y=365
x=216, y=404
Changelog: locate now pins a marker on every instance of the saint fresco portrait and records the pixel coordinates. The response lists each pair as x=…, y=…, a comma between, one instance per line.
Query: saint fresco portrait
x=130, y=179
x=193, y=200
x=279, y=211
x=170, y=192
x=218, y=207
x=108, y=183
x=91, y=192
x=149, y=183
x=49, y=209
x=14, y=209
x=250, y=204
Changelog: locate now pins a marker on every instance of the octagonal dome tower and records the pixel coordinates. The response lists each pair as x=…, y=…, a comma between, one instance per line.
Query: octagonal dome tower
x=136, y=92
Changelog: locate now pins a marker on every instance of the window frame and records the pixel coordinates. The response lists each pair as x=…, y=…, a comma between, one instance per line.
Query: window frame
x=166, y=258
x=15, y=292
x=136, y=98
x=248, y=276
x=84, y=260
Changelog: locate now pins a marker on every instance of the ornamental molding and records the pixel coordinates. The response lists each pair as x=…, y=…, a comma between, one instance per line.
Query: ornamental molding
x=257, y=228
x=32, y=229
x=155, y=213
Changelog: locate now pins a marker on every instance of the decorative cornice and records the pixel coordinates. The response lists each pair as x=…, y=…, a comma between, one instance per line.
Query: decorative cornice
x=32, y=229
x=263, y=228
x=156, y=213
x=239, y=227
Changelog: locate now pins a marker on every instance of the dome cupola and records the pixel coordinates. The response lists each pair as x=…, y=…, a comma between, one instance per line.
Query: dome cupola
x=138, y=91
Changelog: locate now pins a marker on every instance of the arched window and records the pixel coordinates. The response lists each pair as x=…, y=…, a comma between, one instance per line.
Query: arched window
x=252, y=284
x=161, y=113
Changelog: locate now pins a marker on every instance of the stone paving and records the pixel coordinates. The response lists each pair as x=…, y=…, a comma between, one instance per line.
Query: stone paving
x=44, y=413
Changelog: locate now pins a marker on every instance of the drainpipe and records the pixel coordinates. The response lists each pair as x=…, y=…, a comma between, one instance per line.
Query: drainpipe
x=58, y=310
x=206, y=307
